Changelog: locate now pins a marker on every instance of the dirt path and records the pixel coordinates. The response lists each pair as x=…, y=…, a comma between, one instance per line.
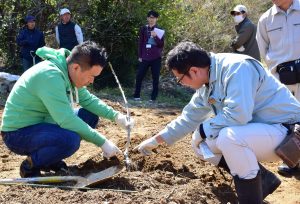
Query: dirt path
x=173, y=175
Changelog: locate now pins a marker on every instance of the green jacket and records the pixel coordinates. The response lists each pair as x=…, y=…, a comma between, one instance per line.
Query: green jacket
x=42, y=95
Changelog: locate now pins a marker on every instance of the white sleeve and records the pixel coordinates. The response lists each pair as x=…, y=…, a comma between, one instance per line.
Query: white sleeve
x=79, y=34
x=57, y=34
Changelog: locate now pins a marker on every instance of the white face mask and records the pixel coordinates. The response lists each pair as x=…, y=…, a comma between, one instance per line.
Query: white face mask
x=238, y=19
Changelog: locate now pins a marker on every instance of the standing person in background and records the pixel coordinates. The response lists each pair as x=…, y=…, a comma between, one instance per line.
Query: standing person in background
x=278, y=38
x=150, y=46
x=68, y=33
x=244, y=42
x=30, y=39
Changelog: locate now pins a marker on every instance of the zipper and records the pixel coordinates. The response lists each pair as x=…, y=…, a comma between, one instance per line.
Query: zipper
x=280, y=28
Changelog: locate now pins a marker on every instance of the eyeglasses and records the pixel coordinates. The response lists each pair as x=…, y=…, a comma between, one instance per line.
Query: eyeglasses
x=178, y=81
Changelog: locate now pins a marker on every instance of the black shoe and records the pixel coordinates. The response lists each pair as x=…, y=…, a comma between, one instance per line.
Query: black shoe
x=284, y=170
x=249, y=191
x=61, y=165
x=270, y=182
x=27, y=169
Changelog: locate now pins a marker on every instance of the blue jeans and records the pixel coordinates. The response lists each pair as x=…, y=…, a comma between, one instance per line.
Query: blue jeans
x=27, y=63
x=141, y=73
x=47, y=143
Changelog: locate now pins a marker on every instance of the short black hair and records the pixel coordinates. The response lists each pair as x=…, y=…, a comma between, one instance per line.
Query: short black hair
x=88, y=54
x=152, y=13
x=186, y=55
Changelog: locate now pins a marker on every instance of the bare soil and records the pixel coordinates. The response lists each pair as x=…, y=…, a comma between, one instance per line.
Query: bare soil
x=172, y=175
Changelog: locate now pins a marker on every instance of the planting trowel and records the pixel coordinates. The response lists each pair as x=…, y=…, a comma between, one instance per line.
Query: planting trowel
x=89, y=180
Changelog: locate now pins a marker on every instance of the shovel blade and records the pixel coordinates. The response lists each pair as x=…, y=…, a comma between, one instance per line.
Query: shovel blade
x=95, y=178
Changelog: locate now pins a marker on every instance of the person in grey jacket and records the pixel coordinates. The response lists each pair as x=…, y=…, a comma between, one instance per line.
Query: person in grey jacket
x=278, y=37
x=245, y=41
x=237, y=114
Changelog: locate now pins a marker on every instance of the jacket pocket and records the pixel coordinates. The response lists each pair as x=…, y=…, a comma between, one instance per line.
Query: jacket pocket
x=276, y=37
x=296, y=32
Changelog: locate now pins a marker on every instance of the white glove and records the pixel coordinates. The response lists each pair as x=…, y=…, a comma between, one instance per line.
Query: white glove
x=122, y=121
x=147, y=146
x=241, y=49
x=196, y=139
x=110, y=149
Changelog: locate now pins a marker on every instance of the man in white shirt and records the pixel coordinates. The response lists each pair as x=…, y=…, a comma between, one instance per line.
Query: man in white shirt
x=68, y=33
x=278, y=38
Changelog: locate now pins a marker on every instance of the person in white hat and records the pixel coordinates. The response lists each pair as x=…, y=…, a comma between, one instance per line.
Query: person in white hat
x=68, y=33
x=245, y=41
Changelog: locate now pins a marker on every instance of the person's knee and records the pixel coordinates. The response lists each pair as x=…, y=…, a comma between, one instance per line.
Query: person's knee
x=72, y=143
x=223, y=139
x=228, y=138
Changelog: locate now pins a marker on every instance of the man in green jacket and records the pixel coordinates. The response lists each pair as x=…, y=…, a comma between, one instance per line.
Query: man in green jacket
x=40, y=119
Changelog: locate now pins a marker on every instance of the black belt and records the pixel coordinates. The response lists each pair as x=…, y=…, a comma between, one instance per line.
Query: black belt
x=288, y=64
x=290, y=127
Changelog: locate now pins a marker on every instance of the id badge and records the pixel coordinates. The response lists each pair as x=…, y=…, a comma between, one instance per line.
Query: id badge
x=148, y=45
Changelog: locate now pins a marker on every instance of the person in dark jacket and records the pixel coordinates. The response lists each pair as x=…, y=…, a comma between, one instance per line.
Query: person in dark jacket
x=68, y=33
x=245, y=41
x=150, y=46
x=30, y=39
